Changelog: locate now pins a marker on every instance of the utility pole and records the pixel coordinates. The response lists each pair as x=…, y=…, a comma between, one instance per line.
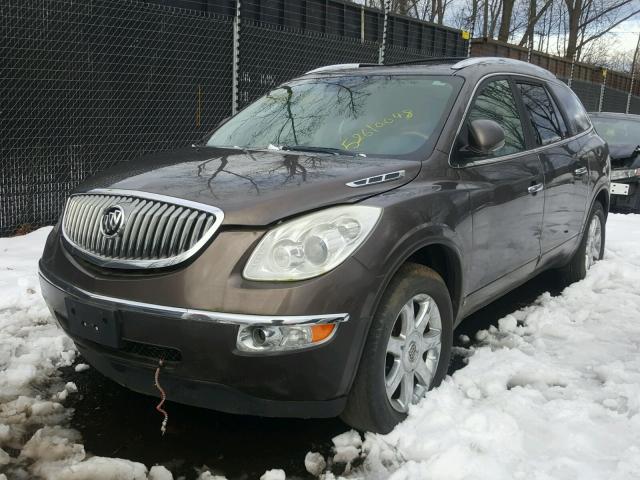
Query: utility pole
x=633, y=75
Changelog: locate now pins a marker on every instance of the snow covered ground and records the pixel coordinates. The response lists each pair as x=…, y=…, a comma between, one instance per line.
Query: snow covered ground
x=553, y=393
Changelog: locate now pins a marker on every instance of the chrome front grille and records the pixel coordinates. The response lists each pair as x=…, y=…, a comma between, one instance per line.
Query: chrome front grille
x=153, y=231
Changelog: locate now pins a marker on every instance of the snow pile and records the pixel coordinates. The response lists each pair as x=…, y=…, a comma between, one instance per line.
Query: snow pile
x=315, y=463
x=34, y=440
x=553, y=392
x=275, y=474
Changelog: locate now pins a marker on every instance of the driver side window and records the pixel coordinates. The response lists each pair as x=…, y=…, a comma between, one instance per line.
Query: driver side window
x=496, y=102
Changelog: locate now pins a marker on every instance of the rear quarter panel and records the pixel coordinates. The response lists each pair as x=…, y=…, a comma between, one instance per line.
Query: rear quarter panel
x=599, y=164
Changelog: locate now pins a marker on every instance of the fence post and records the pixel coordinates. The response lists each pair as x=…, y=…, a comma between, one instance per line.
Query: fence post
x=471, y=34
x=387, y=7
x=235, y=60
x=604, y=83
x=467, y=36
x=573, y=65
x=362, y=24
x=633, y=76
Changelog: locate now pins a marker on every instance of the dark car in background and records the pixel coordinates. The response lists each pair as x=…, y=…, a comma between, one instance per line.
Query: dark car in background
x=622, y=132
x=312, y=257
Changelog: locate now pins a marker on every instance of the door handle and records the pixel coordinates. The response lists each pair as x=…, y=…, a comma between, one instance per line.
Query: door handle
x=533, y=189
x=580, y=171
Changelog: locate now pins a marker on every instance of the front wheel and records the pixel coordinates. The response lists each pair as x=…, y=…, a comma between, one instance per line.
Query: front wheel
x=407, y=350
x=591, y=247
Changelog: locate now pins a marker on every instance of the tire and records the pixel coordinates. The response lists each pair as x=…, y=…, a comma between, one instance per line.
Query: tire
x=577, y=268
x=369, y=407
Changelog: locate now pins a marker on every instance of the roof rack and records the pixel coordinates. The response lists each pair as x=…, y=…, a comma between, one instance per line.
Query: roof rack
x=428, y=60
x=457, y=63
x=341, y=66
x=349, y=66
x=473, y=61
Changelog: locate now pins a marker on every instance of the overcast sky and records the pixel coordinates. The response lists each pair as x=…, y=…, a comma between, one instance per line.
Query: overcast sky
x=626, y=33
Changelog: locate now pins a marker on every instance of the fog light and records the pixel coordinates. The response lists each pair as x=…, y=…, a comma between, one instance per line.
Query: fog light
x=265, y=336
x=281, y=338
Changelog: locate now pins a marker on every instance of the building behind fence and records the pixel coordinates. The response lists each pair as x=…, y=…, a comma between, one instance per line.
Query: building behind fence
x=88, y=84
x=598, y=89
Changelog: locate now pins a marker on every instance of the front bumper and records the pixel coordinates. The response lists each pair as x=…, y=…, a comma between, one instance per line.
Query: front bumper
x=202, y=365
x=195, y=345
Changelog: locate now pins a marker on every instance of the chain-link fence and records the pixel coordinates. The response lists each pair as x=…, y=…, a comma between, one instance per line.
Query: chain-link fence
x=87, y=84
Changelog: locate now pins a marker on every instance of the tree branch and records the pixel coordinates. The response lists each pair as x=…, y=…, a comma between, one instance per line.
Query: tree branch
x=608, y=29
x=589, y=21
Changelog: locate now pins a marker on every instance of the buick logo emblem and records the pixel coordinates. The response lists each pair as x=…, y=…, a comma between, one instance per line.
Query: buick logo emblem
x=112, y=221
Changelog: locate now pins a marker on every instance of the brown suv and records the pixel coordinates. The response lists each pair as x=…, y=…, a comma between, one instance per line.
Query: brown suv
x=313, y=255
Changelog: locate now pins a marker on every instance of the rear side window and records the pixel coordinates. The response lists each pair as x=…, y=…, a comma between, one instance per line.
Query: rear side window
x=548, y=124
x=575, y=113
x=496, y=102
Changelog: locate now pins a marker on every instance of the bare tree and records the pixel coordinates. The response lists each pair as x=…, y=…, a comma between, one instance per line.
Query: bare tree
x=533, y=19
x=604, y=54
x=562, y=27
x=505, y=22
x=589, y=20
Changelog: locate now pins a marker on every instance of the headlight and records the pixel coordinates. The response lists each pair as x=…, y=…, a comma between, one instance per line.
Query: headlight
x=311, y=245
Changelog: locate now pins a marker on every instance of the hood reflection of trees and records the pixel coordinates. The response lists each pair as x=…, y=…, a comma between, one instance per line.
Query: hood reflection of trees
x=293, y=165
x=222, y=168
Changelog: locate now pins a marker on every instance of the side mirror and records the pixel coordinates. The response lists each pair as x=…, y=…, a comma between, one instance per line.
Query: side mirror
x=485, y=136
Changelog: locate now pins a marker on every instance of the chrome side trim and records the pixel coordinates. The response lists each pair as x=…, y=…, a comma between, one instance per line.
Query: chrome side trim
x=513, y=155
x=139, y=264
x=385, y=177
x=194, y=314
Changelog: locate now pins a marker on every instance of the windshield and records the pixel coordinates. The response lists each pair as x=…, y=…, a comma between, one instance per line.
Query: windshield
x=617, y=131
x=373, y=115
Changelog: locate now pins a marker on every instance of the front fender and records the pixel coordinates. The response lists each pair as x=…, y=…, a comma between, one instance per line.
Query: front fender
x=416, y=216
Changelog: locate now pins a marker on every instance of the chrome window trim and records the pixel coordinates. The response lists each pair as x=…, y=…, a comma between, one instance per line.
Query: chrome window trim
x=140, y=264
x=190, y=313
x=511, y=156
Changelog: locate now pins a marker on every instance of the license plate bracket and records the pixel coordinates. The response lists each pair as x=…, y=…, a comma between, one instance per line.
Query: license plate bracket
x=99, y=325
x=619, y=188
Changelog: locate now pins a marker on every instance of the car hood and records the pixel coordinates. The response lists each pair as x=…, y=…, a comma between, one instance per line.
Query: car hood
x=624, y=156
x=254, y=187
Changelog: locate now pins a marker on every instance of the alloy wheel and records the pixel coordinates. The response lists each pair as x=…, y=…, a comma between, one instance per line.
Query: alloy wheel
x=413, y=352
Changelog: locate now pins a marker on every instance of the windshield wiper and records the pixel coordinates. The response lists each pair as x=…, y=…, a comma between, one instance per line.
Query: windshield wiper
x=331, y=150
